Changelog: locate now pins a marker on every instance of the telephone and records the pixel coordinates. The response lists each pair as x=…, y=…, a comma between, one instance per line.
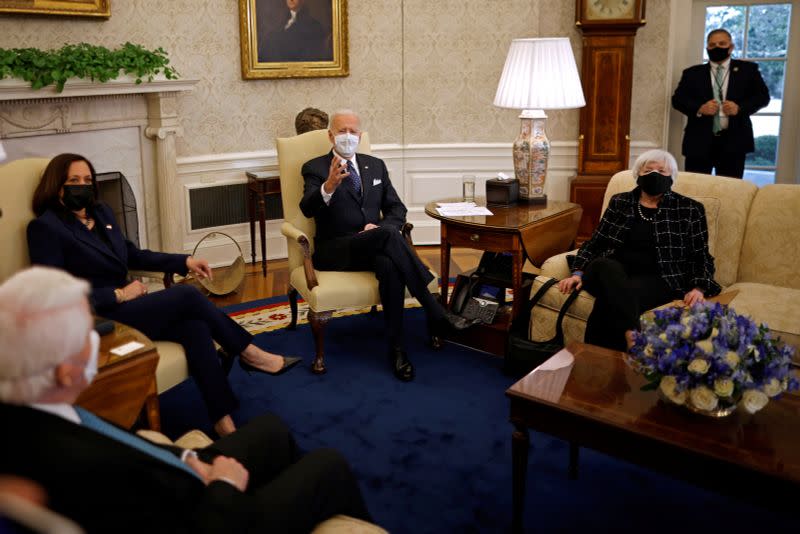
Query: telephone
x=474, y=299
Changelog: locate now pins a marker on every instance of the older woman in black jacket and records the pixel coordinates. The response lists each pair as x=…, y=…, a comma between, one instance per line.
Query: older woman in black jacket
x=650, y=247
x=75, y=233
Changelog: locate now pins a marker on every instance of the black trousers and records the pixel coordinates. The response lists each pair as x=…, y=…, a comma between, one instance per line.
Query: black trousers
x=619, y=301
x=183, y=315
x=724, y=162
x=291, y=493
x=385, y=252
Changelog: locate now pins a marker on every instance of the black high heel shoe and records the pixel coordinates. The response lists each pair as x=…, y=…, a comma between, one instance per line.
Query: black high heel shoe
x=288, y=363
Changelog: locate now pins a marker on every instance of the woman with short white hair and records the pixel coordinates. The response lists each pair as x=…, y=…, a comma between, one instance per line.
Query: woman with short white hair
x=650, y=247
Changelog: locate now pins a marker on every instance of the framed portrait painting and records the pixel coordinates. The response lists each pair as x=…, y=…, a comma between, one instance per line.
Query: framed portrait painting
x=78, y=8
x=293, y=38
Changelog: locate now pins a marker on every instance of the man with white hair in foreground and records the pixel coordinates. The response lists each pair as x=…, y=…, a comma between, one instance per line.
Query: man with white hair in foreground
x=107, y=479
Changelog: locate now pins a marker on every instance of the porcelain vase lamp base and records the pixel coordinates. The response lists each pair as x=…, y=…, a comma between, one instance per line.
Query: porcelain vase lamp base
x=531, y=151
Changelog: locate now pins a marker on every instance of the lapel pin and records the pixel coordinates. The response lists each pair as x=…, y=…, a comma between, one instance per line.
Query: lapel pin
x=735, y=69
x=108, y=226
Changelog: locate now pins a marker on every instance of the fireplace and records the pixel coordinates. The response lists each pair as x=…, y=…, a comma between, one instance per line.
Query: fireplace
x=113, y=189
x=120, y=126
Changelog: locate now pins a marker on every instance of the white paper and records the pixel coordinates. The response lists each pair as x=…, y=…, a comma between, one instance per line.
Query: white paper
x=549, y=379
x=463, y=211
x=127, y=348
x=455, y=204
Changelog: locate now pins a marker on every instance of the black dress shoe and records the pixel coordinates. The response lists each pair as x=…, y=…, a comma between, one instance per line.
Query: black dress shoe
x=288, y=363
x=401, y=365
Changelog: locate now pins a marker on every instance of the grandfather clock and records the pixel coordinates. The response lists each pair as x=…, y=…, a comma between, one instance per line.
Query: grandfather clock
x=609, y=28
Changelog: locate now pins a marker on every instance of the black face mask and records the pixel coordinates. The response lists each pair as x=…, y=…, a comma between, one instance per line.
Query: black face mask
x=654, y=183
x=78, y=197
x=718, y=54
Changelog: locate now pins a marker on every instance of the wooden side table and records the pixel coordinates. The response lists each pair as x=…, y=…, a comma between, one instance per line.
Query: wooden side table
x=124, y=384
x=533, y=231
x=259, y=185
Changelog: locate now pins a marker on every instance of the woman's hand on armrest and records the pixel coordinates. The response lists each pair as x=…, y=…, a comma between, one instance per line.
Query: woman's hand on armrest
x=573, y=282
x=693, y=297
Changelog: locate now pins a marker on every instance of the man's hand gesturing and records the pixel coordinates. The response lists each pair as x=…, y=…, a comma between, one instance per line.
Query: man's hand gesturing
x=336, y=174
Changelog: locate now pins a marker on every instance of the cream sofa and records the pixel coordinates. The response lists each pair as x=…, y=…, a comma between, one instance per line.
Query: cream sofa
x=754, y=236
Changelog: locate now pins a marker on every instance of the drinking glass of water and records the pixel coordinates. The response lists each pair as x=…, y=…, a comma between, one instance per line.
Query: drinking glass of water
x=468, y=187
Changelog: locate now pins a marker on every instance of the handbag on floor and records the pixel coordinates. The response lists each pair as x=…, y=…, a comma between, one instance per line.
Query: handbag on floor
x=522, y=354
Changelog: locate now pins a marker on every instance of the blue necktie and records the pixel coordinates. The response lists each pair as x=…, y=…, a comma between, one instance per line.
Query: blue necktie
x=89, y=420
x=355, y=179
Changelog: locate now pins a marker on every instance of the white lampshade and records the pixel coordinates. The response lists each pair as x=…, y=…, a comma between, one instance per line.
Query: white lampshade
x=540, y=74
x=2, y=153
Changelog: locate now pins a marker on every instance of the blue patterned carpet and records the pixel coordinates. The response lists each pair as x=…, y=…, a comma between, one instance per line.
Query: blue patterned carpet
x=434, y=455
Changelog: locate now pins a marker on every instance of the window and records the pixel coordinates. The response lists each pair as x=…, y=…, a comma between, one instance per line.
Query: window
x=760, y=34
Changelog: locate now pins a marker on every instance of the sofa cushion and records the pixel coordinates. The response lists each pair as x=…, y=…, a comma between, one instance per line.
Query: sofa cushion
x=727, y=203
x=771, y=248
x=777, y=307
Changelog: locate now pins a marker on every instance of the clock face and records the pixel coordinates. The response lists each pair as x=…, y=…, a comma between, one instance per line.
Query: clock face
x=609, y=9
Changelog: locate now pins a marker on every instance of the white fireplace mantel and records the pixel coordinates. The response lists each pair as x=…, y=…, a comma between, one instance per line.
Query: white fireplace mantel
x=85, y=107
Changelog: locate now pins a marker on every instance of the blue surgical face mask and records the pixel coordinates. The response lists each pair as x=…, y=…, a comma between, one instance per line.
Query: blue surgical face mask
x=90, y=371
x=346, y=144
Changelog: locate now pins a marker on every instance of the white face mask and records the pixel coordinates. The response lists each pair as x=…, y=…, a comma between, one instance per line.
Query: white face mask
x=90, y=371
x=346, y=144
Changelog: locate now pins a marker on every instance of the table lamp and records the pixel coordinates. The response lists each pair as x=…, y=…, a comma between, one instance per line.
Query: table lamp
x=2, y=153
x=539, y=74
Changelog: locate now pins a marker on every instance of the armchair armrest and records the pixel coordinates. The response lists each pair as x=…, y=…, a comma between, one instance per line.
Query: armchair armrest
x=295, y=234
x=167, y=278
x=556, y=266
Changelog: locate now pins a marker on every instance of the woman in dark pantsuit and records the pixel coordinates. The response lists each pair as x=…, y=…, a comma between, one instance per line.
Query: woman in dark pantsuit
x=650, y=247
x=75, y=233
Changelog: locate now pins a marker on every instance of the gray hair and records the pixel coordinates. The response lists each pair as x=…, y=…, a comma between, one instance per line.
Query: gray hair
x=343, y=111
x=41, y=325
x=656, y=156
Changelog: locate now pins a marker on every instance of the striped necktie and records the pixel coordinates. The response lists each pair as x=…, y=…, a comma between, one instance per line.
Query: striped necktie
x=719, y=81
x=355, y=179
x=91, y=421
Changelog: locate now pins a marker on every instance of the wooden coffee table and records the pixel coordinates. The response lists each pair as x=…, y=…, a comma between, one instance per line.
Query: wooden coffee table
x=602, y=407
x=527, y=231
x=124, y=384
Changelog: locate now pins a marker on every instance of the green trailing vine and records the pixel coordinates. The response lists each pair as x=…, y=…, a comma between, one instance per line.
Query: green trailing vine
x=97, y=63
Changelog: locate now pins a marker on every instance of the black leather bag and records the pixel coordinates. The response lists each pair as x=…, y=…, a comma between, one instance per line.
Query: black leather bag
x=522, y=354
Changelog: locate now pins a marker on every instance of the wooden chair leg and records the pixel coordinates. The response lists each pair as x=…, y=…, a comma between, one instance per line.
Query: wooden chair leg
x=293, y=307
x=318, y=322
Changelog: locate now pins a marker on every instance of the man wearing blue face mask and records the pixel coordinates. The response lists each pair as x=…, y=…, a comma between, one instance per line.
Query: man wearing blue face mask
x=718, y=99
x=359, y=216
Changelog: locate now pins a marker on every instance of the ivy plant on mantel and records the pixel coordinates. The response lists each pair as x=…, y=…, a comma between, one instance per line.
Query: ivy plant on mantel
x=42, y=68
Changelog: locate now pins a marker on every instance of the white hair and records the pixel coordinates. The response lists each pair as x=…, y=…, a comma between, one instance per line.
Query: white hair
x=44, y=320
x=342, y=112
x=656, y=155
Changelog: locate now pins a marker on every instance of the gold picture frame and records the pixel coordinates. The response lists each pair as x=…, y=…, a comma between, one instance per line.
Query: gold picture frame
x=75, y=8
x=310, y=43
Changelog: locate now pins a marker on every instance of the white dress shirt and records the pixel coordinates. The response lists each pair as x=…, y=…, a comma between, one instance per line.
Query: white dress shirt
x=723, y=118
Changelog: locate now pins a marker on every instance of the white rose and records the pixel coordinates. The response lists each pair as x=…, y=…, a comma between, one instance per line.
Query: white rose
x=705, y=345
x=668, y=385
x=662, y=336
x=699, y=366
x=703, y=398
x=732, y=359
x=753, y=400
x=773, y=387
x=648, y=350
x=723, y=387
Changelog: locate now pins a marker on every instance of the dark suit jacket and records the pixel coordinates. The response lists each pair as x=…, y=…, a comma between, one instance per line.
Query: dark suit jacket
x=304, y=40
x=106, y=486
x=64, y=242
x=745, y=87
x=347, y=214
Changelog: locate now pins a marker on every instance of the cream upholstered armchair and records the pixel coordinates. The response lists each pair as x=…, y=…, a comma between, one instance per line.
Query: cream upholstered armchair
x=18, y=181
x=323, y=291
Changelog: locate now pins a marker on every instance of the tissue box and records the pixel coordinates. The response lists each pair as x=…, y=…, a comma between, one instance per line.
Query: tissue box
x=502, y=192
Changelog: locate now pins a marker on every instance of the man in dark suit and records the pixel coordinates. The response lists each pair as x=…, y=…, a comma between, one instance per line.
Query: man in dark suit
x=718, y=98
x=359, y=216
x=108, y=480
x=294, y=35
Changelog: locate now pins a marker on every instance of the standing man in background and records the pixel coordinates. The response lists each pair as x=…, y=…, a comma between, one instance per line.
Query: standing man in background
x=718, y=98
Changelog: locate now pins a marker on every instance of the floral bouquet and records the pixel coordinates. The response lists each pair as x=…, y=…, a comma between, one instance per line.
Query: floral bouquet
x=711, y=359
